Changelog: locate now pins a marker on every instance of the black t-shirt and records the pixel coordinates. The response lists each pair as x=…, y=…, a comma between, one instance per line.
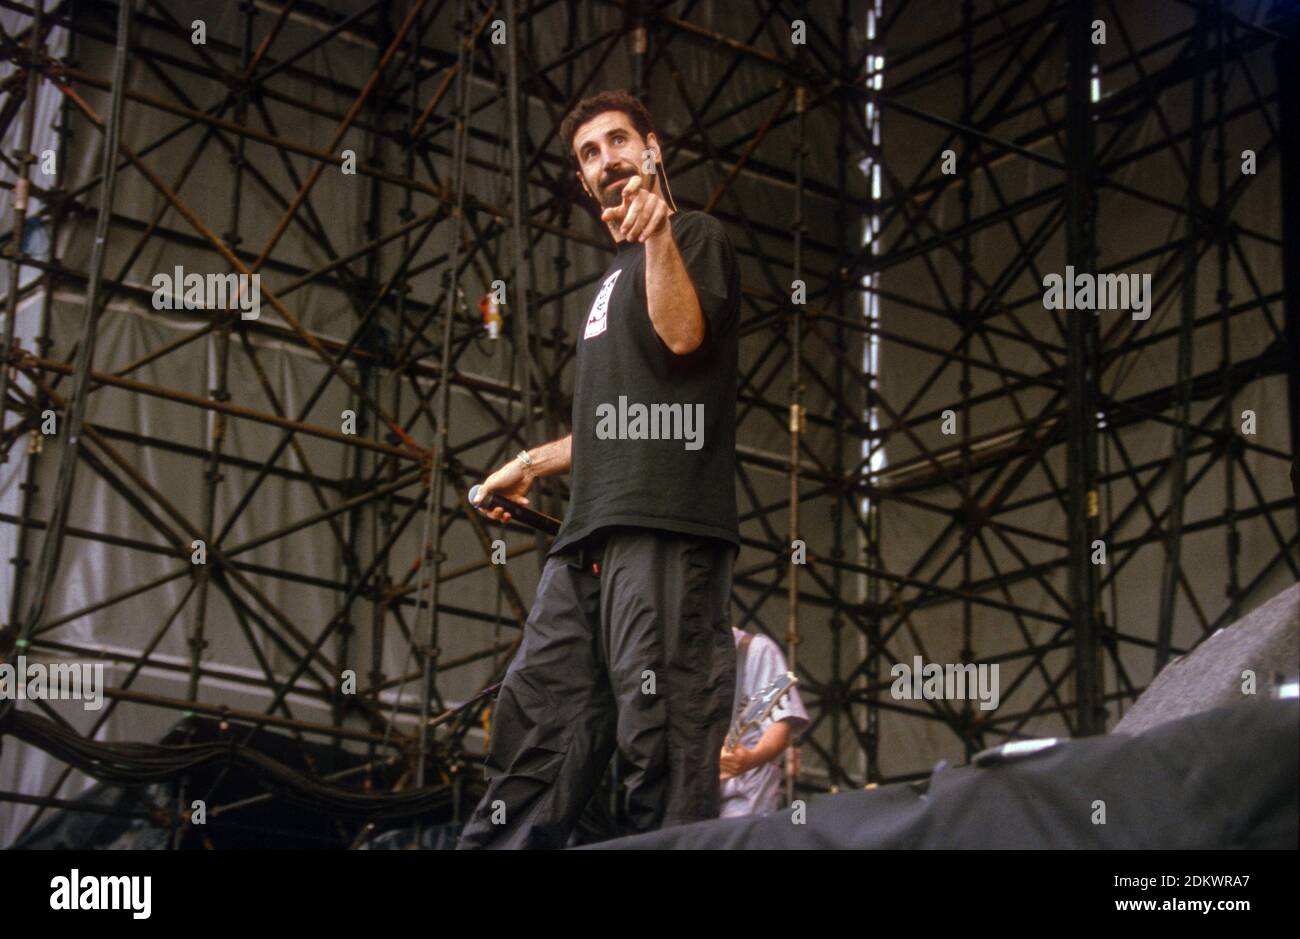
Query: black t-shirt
x=654, y=433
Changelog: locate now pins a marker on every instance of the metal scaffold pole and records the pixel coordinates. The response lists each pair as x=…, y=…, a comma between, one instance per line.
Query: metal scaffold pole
x=1081, y=375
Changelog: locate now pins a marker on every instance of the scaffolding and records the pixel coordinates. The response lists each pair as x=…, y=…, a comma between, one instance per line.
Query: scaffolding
x=841, y=137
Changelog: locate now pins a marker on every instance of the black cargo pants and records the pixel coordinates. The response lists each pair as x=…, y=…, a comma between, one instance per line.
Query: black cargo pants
x=628, y=644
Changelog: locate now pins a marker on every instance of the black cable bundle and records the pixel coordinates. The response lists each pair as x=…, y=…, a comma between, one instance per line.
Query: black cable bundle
x=134, y=764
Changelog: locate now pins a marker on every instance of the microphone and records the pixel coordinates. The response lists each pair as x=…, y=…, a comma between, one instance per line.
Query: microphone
x=547, y=524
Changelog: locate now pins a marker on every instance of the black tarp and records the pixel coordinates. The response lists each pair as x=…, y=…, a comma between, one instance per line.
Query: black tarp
x=1227, y=778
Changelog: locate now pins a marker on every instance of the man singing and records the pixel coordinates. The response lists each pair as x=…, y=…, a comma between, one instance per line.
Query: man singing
x=629, y=641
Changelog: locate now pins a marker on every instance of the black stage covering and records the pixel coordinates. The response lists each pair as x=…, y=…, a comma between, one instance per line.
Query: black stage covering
x=1225, y=778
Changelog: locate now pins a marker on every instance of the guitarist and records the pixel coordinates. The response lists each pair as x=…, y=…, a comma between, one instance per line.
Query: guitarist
x=751, y=778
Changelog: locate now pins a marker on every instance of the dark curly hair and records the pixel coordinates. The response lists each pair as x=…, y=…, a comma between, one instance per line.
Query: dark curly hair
x=589, y=107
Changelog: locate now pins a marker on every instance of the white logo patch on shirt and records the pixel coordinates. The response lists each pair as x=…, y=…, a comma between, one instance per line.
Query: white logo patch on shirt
x=597, y=320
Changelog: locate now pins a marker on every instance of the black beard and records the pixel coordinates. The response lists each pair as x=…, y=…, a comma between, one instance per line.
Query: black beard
x=611, y=197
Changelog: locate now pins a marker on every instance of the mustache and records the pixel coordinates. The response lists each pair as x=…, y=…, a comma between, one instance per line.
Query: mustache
x=616, y=176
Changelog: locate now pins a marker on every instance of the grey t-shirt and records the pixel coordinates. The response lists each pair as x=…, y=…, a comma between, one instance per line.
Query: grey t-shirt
x=758, y=791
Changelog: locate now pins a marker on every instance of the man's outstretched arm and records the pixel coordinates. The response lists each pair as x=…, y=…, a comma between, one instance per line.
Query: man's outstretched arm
x=674, y=306
x=670, y=295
